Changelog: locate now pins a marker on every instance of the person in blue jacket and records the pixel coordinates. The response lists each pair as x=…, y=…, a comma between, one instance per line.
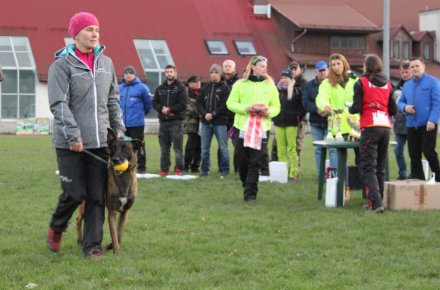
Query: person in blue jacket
x=135, y=103
x=420, y=100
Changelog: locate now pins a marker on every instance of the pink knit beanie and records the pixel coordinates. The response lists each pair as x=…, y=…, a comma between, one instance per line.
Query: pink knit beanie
x=81, y=20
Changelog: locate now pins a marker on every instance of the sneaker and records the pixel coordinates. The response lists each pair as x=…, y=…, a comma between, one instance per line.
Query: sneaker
x=54, y=240
x=401, y=177
x=204, y=174
x=366, y=206
x=380, y=209
x=95, y=253
x=163, y=173
x=141, y=171
x=293, y=179
x=178, y=172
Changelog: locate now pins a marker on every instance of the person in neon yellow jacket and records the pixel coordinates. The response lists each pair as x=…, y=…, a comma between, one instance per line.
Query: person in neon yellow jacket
x=254, y=91
x=336, y=93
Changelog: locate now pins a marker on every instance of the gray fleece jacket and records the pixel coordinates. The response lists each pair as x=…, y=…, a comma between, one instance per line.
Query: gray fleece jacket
x=84, y=103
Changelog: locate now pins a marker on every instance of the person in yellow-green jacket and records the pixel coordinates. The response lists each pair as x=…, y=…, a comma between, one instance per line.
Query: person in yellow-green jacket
x=254, y=100
x=335, y=95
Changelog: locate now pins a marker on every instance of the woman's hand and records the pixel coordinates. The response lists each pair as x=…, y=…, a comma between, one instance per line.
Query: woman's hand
x=78, y=147
x=328, y=109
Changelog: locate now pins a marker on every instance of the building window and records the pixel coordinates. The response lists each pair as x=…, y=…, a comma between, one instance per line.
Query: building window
x=154, y=56
x=245, y=47
x=426, y=50
x=352, y=42
x=396, y=49
x=405, y=50
x=216, y=47
x=18, y=87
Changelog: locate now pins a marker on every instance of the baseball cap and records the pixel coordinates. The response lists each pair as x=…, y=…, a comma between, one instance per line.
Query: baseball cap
x=293, y=64
x=320, y=65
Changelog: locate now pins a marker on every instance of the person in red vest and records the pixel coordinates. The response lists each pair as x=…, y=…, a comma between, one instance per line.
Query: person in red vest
x=373, y=99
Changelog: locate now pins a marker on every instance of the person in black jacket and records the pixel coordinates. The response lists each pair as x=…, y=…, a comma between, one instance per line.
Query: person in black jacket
x=230, y=76
x=373, y=99
x=317, y=118
x=300, y=83
x=286, y=123
x=399, y=124
x=170, y=102
x=191, y=123
x=211, y=105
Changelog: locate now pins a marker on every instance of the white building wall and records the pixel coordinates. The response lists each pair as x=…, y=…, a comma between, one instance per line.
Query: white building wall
x=430, y=21
x=42, y=102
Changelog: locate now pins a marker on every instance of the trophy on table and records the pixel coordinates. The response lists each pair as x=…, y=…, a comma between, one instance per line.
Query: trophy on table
x=330, y=123
x=338, y=137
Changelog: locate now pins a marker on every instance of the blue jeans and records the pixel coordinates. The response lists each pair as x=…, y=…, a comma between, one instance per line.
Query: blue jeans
x=400, y=154
x=221, y=134
x=318, y=134
x=170, y=132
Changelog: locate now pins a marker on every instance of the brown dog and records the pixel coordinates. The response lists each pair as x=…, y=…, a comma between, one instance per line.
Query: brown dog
x=121, y=188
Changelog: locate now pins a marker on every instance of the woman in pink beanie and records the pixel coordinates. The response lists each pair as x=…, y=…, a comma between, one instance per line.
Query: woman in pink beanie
x=84, y=100
x=81, y=20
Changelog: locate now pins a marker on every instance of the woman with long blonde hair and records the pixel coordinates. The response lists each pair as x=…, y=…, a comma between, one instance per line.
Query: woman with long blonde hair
x=254, y=100
x=336, y=93
x=334, y=96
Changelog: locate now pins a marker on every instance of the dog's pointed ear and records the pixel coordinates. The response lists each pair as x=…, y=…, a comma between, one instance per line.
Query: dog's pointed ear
x=137, y=144
x=111, y=135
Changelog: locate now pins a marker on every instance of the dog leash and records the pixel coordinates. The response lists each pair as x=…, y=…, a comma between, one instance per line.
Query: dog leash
x=96, y=156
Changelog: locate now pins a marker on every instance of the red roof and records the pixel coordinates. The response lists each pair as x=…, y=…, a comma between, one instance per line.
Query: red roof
x=323, y=16
x=393, y=30
x=418, y=35
x=184, y=24
x=402, y=12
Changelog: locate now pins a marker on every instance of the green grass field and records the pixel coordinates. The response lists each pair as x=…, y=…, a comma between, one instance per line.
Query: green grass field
x=199, y=234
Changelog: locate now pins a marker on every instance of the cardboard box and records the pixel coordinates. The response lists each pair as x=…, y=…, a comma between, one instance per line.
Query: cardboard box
x=432, y=196
x=411, y=194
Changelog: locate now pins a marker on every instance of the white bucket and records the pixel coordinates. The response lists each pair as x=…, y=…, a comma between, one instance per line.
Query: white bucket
x=425, y=166
x=278, y=171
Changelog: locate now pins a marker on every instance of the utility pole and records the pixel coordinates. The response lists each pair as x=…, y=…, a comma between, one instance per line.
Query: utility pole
x=386, y=38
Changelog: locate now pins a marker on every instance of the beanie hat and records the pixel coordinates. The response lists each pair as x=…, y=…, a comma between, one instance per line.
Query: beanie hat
x=129, y=69
x=216, y=68
x=287, y=73
x=193, y=79
x=81, y=20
